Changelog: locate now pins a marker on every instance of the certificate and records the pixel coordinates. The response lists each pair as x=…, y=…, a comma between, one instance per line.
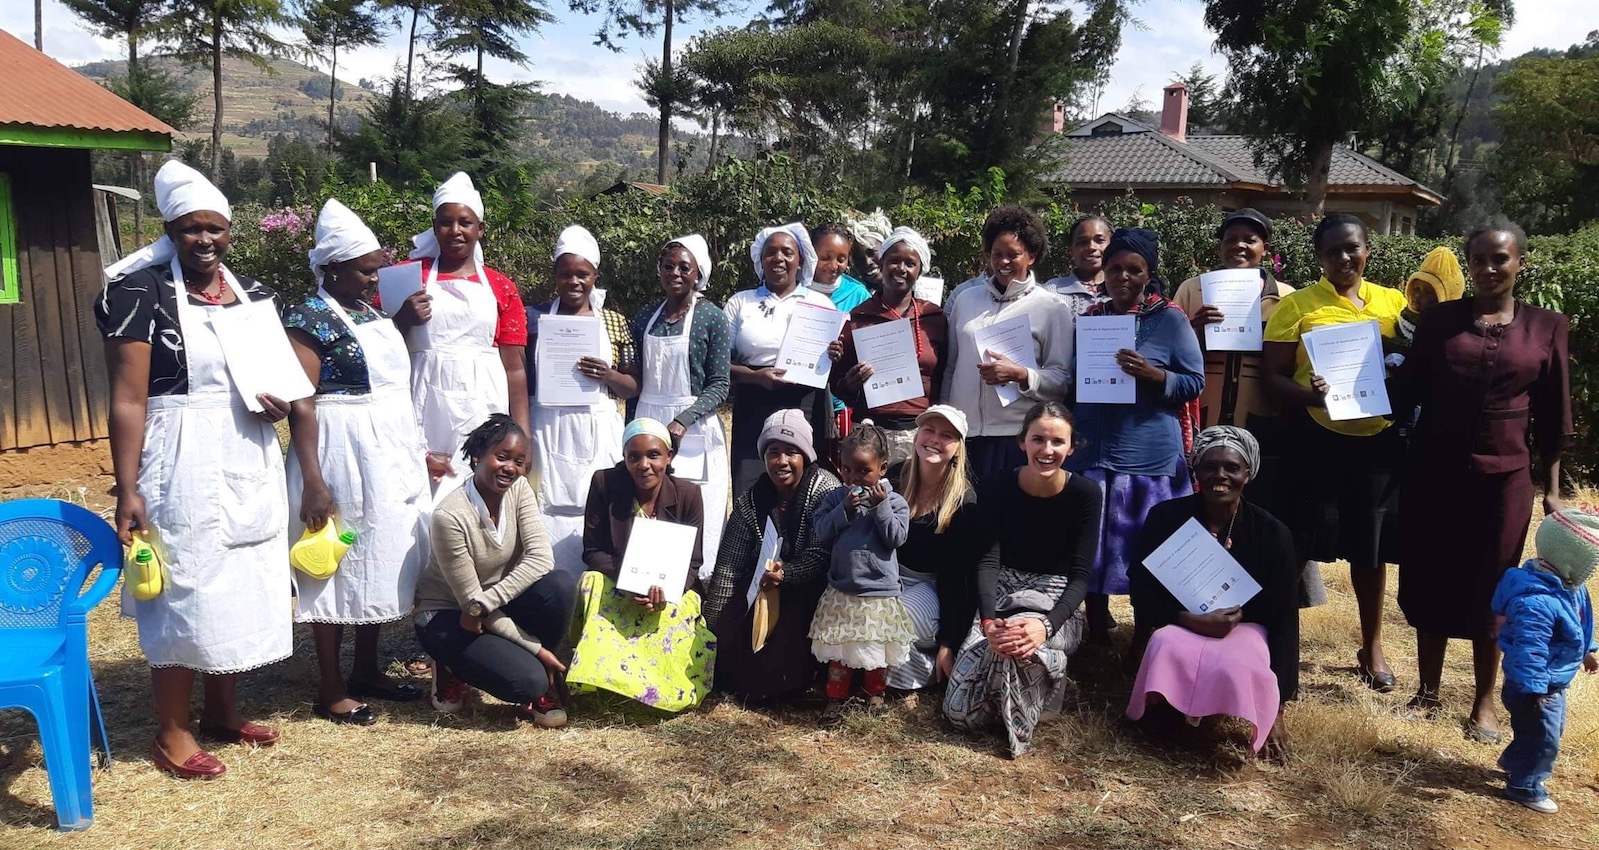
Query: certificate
x=689, y=462
x=395, y=284
x=1236, y=293
x=890, y=349
x=771, y=550
x=929, y=289
x=803, y=354
x=1013, y=340
x=1199, y=572
x=1349, y=357
x=658, y=555
x=1100, y=380
x=258, y=354
x=563, y=340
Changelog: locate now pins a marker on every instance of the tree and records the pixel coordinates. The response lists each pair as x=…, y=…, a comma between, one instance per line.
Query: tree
x=1548, y=165
x=482, y=29
x=331, y=24
x=643, y=18
x=1206, y=108
x=416, y=11
x=203, y=32
x=411, y=140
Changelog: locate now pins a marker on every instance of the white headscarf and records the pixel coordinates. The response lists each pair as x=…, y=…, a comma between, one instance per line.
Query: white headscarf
x=179, y=190
x=456, y=190
x=695, y=245
x=340, y=235
x=802, y=237
x=577, y=241
x=870, y=229
x=914, y=240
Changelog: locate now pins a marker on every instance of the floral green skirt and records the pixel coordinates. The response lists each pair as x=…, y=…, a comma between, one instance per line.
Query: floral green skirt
x=662, y=658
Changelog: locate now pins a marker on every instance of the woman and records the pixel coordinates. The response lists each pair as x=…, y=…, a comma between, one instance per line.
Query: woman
x=785, y=261
x=1014, y=241
x=905, y=255
x=835, y=250
x=867, y=231
x=1084, y=286
x=938, y=561
x=787, y=497
x=640, y=645
x=683, y=345
x=466, y=331
x=1134, y=452
x=1338, y=494
x=1012, y=666
x=1241, y=661
x=197, y=470
x=1488, y=372
x=576, y=442
x=490, y=604
x=358, y=460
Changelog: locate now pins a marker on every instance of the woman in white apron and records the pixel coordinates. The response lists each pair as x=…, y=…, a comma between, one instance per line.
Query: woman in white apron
x=684, y=343
x=467, y=331
x=571, y=443
x=196, y=471
x=358, y=460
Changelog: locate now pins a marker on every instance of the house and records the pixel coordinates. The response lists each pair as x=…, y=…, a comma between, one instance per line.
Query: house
x=1113, y=154
x=52, y=368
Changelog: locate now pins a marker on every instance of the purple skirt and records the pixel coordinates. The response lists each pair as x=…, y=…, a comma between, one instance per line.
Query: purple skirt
x=1128, y=499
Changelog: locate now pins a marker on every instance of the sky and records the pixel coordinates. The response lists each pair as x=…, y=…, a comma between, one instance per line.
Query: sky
x=565, y=61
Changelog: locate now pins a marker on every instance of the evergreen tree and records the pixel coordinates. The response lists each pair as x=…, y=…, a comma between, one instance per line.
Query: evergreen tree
x=329, y=25
x=203, y=32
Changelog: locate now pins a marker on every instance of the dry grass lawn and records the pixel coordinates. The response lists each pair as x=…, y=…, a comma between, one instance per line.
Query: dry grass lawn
x=619, y=777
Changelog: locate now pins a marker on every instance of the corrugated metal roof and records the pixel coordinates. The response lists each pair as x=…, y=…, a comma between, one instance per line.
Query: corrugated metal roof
x=41, y=92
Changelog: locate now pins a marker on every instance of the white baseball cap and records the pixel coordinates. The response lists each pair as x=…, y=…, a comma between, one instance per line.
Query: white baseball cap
x=949, y=413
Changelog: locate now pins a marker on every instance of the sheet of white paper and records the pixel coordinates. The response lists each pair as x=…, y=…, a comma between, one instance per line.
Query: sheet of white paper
x=771, y=548
x=658, y=555
x=1236, y=293
x=395, y=284
x=929, y=289
x=1349, y=357
x=1013, y=340
x=890, y=349
x=258, y=354
x=1197, y=570
x=1099, y=379
x=803, y=354
x=563, y=340
x=690, y=460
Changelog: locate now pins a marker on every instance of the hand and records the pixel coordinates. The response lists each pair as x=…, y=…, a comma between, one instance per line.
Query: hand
x=471, y=623
x=415, y=310
x=857, y=375
x=1216, y=624
x=438, y=466
x=855, y=499
x=655, y=600
x=1551, y=503
x=835, y=349
x=1590, y=664
x=1206, y=315
x=1276, y=748
x=594, y=368
x=774, y=576
x=878, y=492
x=1001, y=370
x=1022, y=638
x=1319, y=387
x=676, y=429
x=550, y=662
x=273, y=409
x=944, y=664
x=1139, y=367
x=130, y=515
x=316, y=505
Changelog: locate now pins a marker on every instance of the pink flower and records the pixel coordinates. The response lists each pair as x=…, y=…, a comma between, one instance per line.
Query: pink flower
x=286, y=220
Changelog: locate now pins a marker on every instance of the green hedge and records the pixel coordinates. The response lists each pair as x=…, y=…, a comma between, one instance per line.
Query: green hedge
x=732, y=202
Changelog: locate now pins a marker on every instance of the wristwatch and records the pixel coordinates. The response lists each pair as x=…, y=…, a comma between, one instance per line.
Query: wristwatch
x=476, y=608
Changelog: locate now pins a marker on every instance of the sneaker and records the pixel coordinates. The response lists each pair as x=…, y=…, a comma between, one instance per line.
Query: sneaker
x=1545, y=806
x=548, y=713
x=448, y=693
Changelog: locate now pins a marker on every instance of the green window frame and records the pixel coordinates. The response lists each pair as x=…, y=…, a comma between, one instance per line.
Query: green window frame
x=10, y=276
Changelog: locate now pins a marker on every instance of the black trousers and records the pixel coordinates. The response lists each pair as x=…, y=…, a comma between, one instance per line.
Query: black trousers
x=492, y=663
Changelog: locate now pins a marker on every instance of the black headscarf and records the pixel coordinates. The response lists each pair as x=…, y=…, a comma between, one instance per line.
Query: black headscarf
x=1144, y=243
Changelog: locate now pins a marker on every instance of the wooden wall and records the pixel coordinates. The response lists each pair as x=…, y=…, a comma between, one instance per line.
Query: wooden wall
x=52, y=366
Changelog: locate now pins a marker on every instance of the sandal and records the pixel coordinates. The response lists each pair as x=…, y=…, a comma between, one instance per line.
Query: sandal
x=1382, y=683
x=833, y=714
x=1421, y=707
x=361, y=715
x=391, y=691
x=1479, y=734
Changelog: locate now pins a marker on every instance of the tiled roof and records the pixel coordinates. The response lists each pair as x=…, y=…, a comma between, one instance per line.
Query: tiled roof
x=1348, y=168
x=41, y=92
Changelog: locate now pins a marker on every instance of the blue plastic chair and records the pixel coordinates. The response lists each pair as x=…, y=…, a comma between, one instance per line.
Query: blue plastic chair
x=47, y=551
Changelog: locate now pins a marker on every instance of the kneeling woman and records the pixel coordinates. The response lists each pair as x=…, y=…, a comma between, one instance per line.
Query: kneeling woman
x=1240, y=661
x=490, y=604
x=788, y=495
x=640, y=646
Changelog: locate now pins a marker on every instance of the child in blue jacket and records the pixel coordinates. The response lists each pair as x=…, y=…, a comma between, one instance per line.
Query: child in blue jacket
x=1546, y=632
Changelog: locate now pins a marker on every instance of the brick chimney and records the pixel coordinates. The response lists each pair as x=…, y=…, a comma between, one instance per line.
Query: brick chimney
x=1174, y=113
x=1054, y=121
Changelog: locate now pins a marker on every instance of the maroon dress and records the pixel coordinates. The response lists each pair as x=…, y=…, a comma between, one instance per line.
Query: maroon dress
x=1467, y=495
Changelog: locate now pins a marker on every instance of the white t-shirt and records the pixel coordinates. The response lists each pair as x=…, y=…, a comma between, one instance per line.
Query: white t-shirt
x=760, y=319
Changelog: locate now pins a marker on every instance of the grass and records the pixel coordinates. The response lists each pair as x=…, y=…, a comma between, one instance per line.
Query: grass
x=621, y=777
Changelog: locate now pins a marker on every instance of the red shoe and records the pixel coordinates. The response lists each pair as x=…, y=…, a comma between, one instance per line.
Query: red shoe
x=247, y=733
x=547, y=712
x=448, y=692
x=201, y=765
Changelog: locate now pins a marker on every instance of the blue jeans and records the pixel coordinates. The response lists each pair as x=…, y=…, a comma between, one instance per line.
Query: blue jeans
x=1536, y=722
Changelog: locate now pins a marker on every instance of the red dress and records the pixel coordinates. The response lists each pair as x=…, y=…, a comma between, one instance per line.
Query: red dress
x=1467, y=493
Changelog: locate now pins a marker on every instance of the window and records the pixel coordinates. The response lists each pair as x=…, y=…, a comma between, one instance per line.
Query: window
x=10, y=285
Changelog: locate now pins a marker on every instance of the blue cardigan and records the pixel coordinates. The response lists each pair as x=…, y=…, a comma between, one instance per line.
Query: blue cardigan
x=1548, y=628
x=1144, y=438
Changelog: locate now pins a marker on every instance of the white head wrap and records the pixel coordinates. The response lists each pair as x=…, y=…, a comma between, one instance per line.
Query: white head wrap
x=914, y=240
x=179, y=190
x=807, y=251
x=695, y=245
x=870, y=229
x=577, y=241
x=456, y=190
x=340, y=235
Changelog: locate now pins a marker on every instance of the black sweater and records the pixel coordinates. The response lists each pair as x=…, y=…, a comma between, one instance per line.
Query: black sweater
x=951, y=556
x=1263, y=546
x=1054, y=536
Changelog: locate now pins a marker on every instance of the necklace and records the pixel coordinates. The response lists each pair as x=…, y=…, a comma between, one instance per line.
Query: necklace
x=677, y=315
x=641, y=511
x=1227, y=539
x=916, y=321
x=203, y=294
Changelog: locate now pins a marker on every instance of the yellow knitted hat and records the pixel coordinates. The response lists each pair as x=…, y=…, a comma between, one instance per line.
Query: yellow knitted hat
x=1440, y=270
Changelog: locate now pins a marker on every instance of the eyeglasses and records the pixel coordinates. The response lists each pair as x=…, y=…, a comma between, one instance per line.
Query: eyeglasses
x=684, y=269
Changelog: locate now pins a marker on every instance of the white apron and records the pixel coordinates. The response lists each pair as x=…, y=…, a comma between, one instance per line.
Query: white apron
x=665, y=394
x=373, y=460
x=572, y=443
x=211, y=474
x=457, y=377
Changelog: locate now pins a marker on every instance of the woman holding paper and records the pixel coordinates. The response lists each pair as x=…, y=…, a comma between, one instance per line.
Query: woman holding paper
x=1488, y=372
x=1134, y=452
x=1339, y=492
x=639, y=643
x=905, y=255
x=576, y=440
x=196, y=470
x=785, y=261
x=759, y=663
x=1241, y=661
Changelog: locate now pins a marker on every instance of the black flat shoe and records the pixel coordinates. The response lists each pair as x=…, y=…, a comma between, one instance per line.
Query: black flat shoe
x=402, y=692
x=1382, y=683
x=361, y=715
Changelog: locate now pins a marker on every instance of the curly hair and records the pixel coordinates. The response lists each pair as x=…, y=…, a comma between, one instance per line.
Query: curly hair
x=1498, y=224
x=1020, y=222
x=488, y=435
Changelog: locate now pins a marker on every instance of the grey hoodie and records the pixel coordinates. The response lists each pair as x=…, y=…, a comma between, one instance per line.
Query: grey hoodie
x=863, y=545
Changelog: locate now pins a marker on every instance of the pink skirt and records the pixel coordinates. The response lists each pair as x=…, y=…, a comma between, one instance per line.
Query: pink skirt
x=1202, y=676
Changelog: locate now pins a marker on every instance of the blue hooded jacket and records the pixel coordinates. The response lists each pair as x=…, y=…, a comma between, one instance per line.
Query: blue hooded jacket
x=1548, y=628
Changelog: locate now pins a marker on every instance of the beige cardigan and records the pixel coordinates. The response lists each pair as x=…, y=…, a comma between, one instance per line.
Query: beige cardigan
x=468, y=566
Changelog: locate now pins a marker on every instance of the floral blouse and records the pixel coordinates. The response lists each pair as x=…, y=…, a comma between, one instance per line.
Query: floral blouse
x=343, y=361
